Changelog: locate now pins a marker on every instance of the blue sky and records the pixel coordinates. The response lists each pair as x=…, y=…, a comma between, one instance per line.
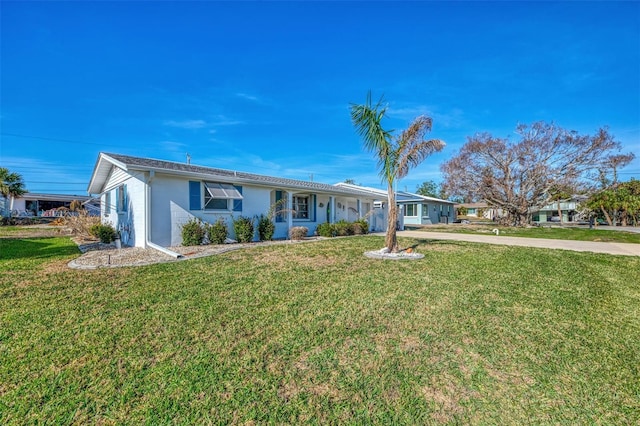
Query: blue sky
x=265, y=87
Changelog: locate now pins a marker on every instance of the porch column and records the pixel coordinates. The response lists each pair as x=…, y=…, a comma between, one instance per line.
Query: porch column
x=332, y=203
x=359, y=207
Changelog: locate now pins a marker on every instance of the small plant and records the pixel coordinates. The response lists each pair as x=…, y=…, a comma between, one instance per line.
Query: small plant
x=343, y=228
x=217, y=231
x=243, y=227
x=298, y=232
x=266, y=228
x=325, y=229
x=104, y=232
x=193, y=233
x=360, y=227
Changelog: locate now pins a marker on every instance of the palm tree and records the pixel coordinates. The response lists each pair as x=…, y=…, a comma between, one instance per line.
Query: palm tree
x=11, y=186
x=396, y=155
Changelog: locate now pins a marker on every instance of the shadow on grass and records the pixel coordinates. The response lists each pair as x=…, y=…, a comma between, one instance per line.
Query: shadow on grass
x=417, y=242
x=36, y=248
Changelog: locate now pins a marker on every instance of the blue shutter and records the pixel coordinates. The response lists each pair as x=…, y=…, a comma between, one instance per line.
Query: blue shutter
x=124, y=197
x=194, y=195
x=279, y=217
x=118, y=206
x=237, y=203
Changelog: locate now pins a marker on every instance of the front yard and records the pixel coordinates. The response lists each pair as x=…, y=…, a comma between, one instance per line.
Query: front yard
x=318, y=333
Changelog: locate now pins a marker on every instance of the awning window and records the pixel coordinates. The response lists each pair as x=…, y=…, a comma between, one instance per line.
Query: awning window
x=222, y=190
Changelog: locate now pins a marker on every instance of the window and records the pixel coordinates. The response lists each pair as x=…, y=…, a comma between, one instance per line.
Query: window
x=301, y=207
x=107, y=203
x=218, y=196
x=411, y=210
x=425, y=210
x=121, y=198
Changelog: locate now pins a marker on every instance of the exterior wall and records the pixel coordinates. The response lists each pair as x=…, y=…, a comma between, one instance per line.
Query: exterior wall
x=430, y=212
x=128, y=221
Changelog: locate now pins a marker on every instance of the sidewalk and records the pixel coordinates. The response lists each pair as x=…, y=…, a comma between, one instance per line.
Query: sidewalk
x=624, y=249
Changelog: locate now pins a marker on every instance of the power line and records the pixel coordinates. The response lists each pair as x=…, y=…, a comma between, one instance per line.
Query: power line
x=16, y=135
x=58, y=183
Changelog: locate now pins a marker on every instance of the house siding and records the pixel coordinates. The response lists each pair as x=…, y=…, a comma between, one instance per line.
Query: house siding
x=129, y=221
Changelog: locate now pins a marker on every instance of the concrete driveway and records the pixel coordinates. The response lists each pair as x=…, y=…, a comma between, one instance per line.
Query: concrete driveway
x=624, y=249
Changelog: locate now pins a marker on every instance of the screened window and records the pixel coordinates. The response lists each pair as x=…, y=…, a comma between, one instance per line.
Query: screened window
x=218, y=196
x=411, y=210
x=107, y=203
x=301, y=207
x=425, y=210
x=121, y=202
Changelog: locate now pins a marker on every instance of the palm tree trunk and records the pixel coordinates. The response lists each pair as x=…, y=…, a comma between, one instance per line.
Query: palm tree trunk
x=391, y=240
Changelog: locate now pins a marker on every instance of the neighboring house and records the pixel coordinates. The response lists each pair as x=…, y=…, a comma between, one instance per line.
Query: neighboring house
x=414, y=209
x=568, y=208
x=47, y=205
x=480, y=210
x=149, y=200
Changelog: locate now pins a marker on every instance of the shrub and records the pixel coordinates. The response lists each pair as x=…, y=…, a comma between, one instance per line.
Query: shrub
x=243, y=227
x=104, y=232
x=217, y=231
x=325, y=229
x=266, y=228
x=343, y=228
x=361, y=227
x=192, y=233
x=298, y=232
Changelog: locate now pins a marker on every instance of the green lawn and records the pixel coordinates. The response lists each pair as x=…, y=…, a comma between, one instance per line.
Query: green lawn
x=554, y=233
x=317, y=333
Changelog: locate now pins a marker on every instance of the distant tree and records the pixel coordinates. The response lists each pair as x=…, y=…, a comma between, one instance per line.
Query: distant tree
x=608, y=170
x=619, y=202
x=518, y=177
x=429, y=189
x=11, y=186
x=75, y=206
x=396, y=155
x=350, y=181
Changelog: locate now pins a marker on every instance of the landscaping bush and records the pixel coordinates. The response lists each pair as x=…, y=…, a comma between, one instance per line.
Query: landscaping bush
x=325, y=229
x=80, y=224
x=266, y=228
x=360, y=227
x=217, y=232
x=104, y=232
x=343, y=228
x=243, y=227
x=193, y=233
x=298, y=232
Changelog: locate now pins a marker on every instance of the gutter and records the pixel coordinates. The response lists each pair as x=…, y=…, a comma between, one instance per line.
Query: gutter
x=163, y=249
x=147, y=226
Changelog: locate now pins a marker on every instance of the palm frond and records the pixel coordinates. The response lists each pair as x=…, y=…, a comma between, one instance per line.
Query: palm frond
x=412, y=149
x=367, y=119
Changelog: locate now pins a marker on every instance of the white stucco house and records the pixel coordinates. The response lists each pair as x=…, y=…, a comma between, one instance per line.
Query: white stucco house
x=415, y=209
x=148, y=200
x=34, y=204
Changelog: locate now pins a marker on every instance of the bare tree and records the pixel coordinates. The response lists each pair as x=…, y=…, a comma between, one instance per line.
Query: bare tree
x=519, y=177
